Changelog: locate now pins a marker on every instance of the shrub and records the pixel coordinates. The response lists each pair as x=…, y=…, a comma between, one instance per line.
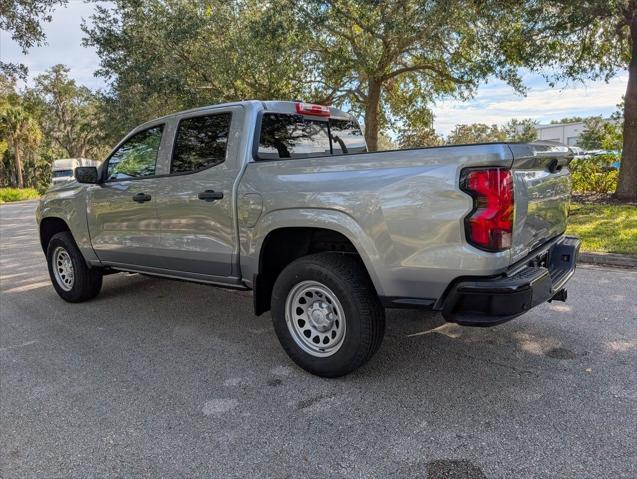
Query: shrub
x=8, y=195
x=594, y=175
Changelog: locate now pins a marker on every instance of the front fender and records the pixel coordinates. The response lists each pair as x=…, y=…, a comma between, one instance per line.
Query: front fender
x=69, y=205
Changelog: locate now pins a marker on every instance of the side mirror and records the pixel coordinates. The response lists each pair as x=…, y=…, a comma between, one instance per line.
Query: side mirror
x=86, y=174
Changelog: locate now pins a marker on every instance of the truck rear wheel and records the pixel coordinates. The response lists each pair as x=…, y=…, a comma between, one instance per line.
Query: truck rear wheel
x=326, y=313
x=72, y=279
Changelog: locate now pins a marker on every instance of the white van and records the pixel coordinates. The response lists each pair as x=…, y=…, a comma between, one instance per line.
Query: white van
x=63, y=170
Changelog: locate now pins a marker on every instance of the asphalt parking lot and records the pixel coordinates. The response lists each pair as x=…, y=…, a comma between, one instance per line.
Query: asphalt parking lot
x=157, y=378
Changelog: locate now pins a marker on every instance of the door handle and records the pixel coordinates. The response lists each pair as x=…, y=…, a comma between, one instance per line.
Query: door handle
x=210, y=195
x=141, y=197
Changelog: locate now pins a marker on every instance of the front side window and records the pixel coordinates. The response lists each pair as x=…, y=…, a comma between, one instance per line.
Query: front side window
x=137, y=157
x=201, y=142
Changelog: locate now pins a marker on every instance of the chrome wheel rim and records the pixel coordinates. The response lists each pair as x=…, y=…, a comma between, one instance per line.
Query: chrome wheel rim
x=63, y=269
x=315, y=318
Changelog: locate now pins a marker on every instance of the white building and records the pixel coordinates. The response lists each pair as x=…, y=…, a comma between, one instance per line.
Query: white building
x=567, y=133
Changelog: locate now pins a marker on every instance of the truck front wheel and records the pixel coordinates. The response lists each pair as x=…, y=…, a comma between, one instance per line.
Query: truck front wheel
x=326, y=313
x=72, y=279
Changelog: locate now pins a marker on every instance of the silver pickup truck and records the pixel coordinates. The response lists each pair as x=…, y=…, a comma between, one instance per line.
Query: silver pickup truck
x=282, y=198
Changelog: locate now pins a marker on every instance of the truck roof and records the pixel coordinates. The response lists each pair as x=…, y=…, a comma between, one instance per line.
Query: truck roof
x=66, y=163
x=274, y=106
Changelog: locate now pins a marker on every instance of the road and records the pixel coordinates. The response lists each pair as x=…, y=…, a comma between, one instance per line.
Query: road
x=158, y=378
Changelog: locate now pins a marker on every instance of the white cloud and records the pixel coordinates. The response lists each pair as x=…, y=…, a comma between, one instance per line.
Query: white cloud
x=498, y=103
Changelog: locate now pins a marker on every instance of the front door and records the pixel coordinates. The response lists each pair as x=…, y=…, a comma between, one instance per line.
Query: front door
x=194, y=202
x=122, y=211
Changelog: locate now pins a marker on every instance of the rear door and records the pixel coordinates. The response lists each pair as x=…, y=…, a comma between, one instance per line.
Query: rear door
x=542, y=187
x=122, y=212
x=195, y=200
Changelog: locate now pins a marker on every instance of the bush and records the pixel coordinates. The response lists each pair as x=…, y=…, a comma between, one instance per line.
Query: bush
x=594, y=175
x=8, y=195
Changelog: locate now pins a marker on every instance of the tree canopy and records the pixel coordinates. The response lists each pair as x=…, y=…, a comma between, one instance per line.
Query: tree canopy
x=70, y=114
x=387, y=62
x=168, y=56
x=54, y=118
x=574, y=40
x=390, y=60
x=521, y=130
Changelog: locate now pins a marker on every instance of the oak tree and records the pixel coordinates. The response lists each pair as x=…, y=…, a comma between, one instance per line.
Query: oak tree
x=390, y=60
x=574, y=40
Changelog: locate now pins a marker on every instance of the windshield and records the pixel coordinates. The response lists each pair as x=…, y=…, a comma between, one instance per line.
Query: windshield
x=293, y=136
x=62, y=173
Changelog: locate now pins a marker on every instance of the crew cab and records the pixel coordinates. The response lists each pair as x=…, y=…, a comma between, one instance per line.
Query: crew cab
x=283, y=198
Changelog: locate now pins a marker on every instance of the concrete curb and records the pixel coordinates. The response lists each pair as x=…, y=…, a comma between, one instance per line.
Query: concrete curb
x=21, y=202
x=609, y=259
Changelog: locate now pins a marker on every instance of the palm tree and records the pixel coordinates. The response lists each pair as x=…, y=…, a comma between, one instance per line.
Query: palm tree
x=21, y=133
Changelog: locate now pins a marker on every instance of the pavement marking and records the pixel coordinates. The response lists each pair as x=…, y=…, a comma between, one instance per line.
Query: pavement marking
x=219, y=406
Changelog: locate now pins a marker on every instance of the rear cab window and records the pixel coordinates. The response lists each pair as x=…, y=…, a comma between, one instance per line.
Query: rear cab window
x=289, y=136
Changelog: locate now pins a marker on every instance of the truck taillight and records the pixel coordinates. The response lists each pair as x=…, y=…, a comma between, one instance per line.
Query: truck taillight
x=489, y=225
x=312, y=109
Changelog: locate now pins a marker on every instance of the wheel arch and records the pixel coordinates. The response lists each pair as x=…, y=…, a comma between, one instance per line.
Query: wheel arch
x=50, y=226
x=282, y=241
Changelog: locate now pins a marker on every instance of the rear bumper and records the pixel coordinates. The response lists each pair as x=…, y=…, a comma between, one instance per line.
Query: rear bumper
x=491, y=301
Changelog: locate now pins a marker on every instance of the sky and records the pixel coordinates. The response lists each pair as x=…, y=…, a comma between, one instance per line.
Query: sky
x=495, y=102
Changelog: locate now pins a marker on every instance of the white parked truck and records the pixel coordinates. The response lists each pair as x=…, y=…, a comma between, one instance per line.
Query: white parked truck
x=64, y=169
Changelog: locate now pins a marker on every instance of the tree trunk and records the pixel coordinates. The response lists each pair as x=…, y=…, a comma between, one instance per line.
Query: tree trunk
x=627, y=183
x=18, y=167
x=371, y=113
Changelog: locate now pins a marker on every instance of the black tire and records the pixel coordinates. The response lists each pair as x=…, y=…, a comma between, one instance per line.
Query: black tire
x=86, y=283
x=345, y=276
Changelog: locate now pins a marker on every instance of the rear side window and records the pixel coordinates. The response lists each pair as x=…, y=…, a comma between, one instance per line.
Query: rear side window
x=347, y=137
x=201, y=142
x=293, y=136
x=136, y=157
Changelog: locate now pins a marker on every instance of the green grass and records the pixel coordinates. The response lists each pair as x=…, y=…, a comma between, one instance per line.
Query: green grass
x=8, y=195
x=604, y=228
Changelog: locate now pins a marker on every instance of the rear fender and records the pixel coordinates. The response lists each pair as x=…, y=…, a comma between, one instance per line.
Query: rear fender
x=311, y=218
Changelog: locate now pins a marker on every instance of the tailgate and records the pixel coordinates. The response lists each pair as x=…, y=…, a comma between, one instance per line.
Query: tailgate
x=542, y=188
